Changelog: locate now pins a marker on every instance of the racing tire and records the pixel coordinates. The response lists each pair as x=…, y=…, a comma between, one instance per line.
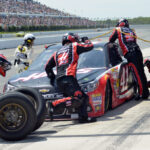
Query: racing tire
x=38, y=103
x=17, y=116
x=108, y=97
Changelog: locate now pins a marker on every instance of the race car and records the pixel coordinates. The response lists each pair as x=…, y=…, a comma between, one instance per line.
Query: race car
x=102, y=73
x=20, y=34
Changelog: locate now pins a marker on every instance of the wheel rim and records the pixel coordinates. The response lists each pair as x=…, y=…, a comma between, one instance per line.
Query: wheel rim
x=12, y=117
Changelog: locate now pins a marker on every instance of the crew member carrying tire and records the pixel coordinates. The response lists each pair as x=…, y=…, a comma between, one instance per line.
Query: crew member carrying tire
x=132, y=52
x=66, y=60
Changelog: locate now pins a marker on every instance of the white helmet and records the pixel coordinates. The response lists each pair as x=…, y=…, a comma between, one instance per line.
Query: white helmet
x=29, y=36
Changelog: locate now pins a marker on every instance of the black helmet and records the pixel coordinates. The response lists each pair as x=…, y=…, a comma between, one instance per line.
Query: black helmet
x=123, y=23
x=70, y=37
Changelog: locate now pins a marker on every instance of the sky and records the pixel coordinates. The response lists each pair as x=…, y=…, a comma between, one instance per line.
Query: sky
x=102, y=9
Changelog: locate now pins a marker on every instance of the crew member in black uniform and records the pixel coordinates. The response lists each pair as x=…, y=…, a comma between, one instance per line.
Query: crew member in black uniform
x=66, y=60
x=132, y=52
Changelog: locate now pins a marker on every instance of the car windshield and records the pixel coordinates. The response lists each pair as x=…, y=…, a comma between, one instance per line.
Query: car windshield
x=91, y=59
x=40, y=62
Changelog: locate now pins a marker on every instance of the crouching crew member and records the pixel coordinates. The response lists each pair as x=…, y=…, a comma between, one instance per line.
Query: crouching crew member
x=66, y=60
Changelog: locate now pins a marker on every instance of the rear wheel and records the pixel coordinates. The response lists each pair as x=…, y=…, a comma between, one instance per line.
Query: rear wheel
x=108, y=97
x=17, y=116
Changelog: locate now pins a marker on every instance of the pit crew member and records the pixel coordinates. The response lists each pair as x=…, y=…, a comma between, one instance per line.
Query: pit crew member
x=24, y=52
x=66, y=60
x=132, y=52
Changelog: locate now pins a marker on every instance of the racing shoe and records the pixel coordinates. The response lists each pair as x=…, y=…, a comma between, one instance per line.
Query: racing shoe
x=145, y=94
x=138, y=97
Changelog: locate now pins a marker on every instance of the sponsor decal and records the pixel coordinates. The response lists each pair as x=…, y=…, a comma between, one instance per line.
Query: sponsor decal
x=32, y=76
x=52, y=96
x=97, y=99
x=86, y=79
x=105, y=77
x=117, y=83
x=68, y=103
x=114, y=72
x=44, y=90
x=86, y=70
x=97, y=108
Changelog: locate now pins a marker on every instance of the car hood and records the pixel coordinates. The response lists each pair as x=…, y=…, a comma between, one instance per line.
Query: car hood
x=40, y=79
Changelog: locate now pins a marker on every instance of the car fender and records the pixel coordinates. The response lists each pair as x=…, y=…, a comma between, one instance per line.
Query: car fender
x=103, y=82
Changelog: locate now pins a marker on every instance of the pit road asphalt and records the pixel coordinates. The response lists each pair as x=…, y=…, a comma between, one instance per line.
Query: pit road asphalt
x=126, y=127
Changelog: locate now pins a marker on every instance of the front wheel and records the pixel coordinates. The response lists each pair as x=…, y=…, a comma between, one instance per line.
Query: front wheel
x=39, y=104
x=17, y=116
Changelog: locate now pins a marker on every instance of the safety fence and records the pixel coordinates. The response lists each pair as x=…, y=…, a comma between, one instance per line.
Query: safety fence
x=122, y=33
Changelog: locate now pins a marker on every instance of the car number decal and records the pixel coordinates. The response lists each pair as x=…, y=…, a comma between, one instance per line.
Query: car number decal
x=124, y=79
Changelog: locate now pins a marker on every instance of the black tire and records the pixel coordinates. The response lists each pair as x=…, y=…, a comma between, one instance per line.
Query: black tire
x=108, y=97
x=17, y=116
x=40, y=106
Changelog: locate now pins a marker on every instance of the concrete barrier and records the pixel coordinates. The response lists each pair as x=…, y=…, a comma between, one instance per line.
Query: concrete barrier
x=14, y=42
x=46, y=38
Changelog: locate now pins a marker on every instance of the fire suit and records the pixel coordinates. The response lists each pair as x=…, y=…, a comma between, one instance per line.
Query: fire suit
x=66, y=60
x=23, y=55
x=132, y=52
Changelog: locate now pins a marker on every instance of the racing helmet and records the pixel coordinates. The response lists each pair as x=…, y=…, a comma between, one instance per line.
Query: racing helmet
x=4, y=65
x=70, y=37
x=123, y=23
x=29, y=37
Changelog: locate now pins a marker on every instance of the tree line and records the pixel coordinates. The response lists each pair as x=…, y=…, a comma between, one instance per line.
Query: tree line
x=113, y=22
x=42, y=28
x=98, y=24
